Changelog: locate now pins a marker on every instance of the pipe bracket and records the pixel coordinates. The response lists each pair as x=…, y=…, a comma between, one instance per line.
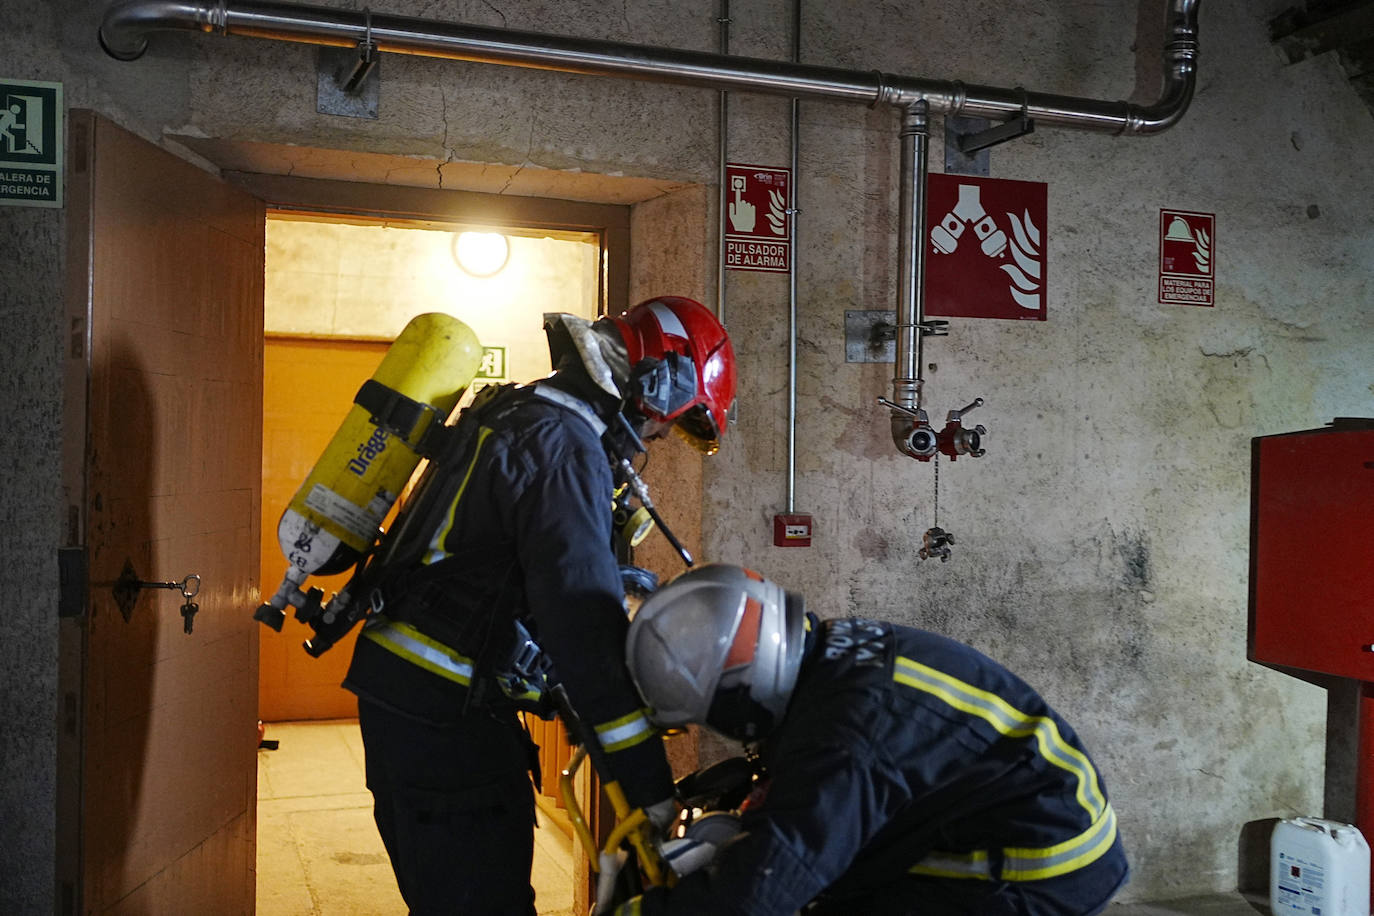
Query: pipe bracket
x=348, y=80
x=1017, y=126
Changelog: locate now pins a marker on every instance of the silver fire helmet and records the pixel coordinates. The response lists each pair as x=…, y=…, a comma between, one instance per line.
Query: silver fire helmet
x=721, y=646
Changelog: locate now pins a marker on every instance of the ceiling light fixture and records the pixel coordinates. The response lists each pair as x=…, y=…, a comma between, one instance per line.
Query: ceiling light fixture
x=481, y=254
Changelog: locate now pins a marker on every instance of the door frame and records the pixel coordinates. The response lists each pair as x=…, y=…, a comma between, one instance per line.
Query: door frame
x=611, y=222
x=74, y=551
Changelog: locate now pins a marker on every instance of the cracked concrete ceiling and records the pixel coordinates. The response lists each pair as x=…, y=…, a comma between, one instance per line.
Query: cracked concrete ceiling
x=382, y=168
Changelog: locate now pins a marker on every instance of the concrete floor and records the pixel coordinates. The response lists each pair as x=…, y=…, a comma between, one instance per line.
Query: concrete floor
x=318, y=849
x=1216, y=905
x=319, y=853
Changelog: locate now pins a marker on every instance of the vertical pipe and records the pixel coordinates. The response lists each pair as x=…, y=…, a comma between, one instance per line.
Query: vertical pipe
x=911, y=254
x=722, y=127
x=792, y=281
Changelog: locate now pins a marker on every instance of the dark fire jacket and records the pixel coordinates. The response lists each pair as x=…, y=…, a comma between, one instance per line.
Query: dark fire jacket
x=525, y=532
x=909, y=758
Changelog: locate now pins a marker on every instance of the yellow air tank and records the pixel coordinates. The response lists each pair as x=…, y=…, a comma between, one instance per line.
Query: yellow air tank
x=335, y=515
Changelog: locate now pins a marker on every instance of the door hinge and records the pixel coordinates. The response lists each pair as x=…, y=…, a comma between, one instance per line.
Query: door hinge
x=72, y=576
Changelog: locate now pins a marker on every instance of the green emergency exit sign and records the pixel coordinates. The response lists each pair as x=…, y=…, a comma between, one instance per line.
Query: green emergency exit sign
x=30, y=143
x=493, y=364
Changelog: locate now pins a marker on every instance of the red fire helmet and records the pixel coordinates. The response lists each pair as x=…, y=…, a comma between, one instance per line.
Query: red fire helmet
x=689, y=377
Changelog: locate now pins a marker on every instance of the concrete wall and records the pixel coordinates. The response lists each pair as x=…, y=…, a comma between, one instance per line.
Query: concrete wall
x=31, y=529
x=1102, y=543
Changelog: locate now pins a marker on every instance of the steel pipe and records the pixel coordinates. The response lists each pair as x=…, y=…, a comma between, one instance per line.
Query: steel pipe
x=126, y=25
x=722, y=145
x=792, y=275
x=911, y=253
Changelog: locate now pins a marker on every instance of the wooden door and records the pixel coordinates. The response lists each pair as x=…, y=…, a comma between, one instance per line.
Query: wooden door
x=160, y=777
x=308, y=389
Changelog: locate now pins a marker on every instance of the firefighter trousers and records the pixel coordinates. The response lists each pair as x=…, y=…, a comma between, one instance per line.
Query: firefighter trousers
x=455, y=810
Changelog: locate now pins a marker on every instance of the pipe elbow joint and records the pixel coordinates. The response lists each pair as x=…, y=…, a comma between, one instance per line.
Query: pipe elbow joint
x=120, y=39
x=123, y=32
x=914, y=438
x=1163, y=115
x=1180, y=74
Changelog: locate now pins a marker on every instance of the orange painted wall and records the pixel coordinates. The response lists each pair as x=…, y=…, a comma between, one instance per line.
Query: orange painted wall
x=308, y=388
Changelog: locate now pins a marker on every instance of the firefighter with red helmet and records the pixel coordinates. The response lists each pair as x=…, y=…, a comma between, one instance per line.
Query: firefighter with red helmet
x=508, y=542
x=903, y=772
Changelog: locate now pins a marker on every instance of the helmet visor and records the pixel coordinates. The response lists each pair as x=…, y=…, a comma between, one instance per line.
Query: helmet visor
x=698, y=427
x=675, y=669
x=666, y=386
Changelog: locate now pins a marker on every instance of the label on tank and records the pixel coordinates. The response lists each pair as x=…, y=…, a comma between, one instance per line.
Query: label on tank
x=359, y=522
x=307, y=546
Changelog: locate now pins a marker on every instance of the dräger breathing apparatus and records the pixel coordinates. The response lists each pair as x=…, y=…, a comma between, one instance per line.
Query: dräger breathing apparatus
x=334, y=518
x=401, y=415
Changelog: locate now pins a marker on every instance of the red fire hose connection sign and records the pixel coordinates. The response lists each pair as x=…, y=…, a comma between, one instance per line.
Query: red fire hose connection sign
x=758, y=218
x=1187, y=257
x=986, y=247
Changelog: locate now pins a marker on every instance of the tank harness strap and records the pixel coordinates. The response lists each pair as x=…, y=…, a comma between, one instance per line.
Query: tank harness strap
x=408, y=538
x=571, y=402
x=411, y=578
x=521, y=674
x=398, y=414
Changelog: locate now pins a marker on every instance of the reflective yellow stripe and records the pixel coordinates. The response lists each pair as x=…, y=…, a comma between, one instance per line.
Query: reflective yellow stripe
x=633, y=907
x=627, y=731
x=436, y=545
x=529, y=694
x=1021, y=864
x=954, y=865
x=1009, y=721
x=1062, y=858
x=410, y=644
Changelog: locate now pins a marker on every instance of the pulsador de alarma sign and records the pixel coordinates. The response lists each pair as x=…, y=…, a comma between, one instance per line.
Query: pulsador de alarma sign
x=30, y=143
x=758, y=218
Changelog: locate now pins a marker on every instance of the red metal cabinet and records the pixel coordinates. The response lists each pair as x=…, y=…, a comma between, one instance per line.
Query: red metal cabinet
x=1312, y=550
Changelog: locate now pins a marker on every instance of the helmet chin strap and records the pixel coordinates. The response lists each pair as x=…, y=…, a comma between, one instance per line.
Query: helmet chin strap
x=621, y=439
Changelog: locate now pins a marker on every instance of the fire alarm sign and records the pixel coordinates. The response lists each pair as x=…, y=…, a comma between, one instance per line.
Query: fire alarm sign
x=758, y=218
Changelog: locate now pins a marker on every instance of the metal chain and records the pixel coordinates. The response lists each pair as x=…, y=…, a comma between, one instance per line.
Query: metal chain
x=937, y=490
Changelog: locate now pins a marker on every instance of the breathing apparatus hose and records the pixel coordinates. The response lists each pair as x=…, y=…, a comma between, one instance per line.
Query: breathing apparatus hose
x=632, y=824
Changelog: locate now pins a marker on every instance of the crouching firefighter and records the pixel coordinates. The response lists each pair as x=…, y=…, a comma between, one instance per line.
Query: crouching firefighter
x=509, y=536
x=902, y=772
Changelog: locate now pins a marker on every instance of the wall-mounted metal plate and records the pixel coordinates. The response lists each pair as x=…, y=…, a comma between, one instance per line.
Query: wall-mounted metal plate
x=957, y=162
x=333, y=70
x=870, y=336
